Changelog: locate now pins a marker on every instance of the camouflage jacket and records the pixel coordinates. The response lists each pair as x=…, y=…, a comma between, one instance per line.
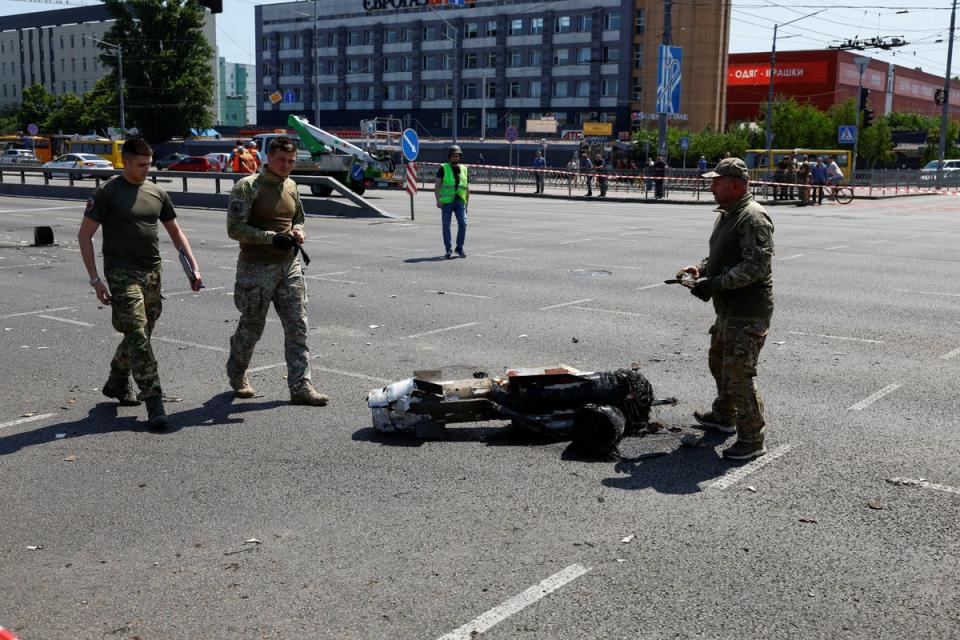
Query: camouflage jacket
x=741, y=254
x=242, y=197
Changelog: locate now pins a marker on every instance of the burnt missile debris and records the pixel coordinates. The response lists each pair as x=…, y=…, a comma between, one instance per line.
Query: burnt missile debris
x=593, y=409
x=683, y=279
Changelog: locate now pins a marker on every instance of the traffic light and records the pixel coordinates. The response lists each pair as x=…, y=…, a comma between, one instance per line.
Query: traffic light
x=864, y=96
x=867, y=117
x=938, y=97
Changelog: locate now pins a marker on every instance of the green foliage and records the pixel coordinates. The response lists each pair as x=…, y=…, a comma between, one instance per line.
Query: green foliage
x=35, y=107
x=9, y=119
x=709, y=143
x=876, y=146
x=100, y=106
x=167, y=69
x=66, y=115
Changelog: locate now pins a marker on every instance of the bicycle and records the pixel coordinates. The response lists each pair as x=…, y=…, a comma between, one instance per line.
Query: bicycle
x=843, y=194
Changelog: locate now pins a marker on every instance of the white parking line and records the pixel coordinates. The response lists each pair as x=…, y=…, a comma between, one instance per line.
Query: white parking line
x=652, y=286
x=12, y=423
x=576, y=241
x=869, y=400
x=191, y=344
x=621, y=313
x=740, y=473
x=454, y=293
x=67, y=320
x=796, y=255
x=821, y=335
x=181, y=293
x=839, y=246
x=430, y=333
x=929, y=293
x=517, y=603
x=565, y=304
x=923, y=484
x=33, y=313
x=951, y=354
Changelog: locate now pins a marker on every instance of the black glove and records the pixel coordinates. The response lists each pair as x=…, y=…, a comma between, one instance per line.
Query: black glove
x=704, y=289
x=284, y=241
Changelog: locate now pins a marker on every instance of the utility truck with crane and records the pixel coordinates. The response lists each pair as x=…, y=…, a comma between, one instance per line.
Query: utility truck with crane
x=321, y=153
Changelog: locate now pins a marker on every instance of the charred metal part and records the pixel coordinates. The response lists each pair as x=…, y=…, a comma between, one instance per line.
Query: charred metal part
x=683, y=278
x=551, y=401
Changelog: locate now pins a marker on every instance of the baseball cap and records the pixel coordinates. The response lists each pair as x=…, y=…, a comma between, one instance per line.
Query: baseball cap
x=733, y=167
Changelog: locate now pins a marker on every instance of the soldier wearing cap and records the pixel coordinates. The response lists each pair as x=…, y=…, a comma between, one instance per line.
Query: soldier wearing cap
x=737, y=276
x=453, y=193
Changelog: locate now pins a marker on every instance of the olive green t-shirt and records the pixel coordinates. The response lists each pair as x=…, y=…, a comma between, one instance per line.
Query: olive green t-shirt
x=128, y=214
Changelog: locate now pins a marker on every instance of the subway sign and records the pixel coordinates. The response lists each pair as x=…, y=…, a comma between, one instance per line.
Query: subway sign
x=383, y=5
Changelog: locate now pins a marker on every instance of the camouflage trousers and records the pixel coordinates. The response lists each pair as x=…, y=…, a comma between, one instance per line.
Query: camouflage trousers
x=257, y=286
x=735, y=345
x=136, y=304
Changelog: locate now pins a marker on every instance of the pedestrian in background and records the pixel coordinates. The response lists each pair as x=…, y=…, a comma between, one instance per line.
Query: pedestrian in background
x=818, y=176
x=738, y=277
x=648, y=172
x=660, y=177
x=539, y=164
x=265, y=216
x=803, y=181
x=600, y=167
x=128, y=208
x=586, y=169
x=834, y=176
x=453, y=193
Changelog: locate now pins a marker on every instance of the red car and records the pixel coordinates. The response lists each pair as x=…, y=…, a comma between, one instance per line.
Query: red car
x=194, y=163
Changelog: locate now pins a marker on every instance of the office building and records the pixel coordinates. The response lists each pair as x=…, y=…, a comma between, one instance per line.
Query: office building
x=237, y=87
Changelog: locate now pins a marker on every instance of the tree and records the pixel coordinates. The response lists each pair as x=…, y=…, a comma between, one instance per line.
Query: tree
x=100, y=106
x=797, y=125
x=36, y=105
x=876, y=145
x=9, y=119
x=167, y=69
x=66, y=115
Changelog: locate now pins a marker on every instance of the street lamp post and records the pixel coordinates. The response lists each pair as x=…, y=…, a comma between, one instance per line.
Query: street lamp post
x=456, y=65
x=861, y=62
x=773, y=70
x=945, y=107
x=119, y=50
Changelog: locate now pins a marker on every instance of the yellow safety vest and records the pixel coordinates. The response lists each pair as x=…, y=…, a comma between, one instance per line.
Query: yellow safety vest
x=449, y=189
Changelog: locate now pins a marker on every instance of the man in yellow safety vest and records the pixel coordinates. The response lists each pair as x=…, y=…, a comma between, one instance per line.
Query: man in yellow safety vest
x=453, y=193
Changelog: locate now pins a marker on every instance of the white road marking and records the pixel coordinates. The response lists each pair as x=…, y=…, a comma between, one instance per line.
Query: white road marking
x=821, y=335
x=350, y=374
x=951, y=354
x=70, y=206
x=869, y=400
x=21, y=215
x=485, y=255
x=228, y=268
x=12, y=423
x=68, y=219
x=839, y=246
x=331, y=280
x=796, y=255
x=182, y=293
x=67, y=320
x=27, y=266
x=454, y=293
x=576, y=241
x=332, y=273
x=929, y=293
x=652, y=286
x=191, y=344
x=321, y=241
x=267, y=367
x=517, y=603
x=33, y=313
x=565, y=304
x=740, y=473
x=907, y=482
x=435, y=331
x=493, y=253
x=615, y=266
x=622, y=313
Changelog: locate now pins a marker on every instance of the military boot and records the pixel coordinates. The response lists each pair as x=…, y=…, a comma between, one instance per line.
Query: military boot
x=156, y=417
x=120, y=390
x=308, y=395
x=241, y=387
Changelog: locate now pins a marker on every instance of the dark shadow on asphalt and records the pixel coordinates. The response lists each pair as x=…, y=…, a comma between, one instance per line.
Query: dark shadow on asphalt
x=500, y=436
x=425, y=259
x=678, y=471
x=218, y=410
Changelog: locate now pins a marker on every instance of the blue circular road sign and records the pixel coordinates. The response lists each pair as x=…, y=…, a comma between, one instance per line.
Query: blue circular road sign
x=357, y=172
x=410, y=144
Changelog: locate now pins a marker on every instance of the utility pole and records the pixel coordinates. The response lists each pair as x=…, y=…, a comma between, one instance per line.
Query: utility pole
x=316, y=69
x=945, y=107
x=483, y=110
x=119, y=50
x=861, y=62
x=773, y=73
x=667, y=41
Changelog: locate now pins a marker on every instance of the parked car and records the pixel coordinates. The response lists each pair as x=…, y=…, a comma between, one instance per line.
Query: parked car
x=951, y=171
x=222, y=160
x=194, y=163
x=166, y=161
x=19, y=157
x=77, y=161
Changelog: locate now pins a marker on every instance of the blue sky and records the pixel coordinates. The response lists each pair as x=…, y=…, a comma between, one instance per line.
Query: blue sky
x=924, y=22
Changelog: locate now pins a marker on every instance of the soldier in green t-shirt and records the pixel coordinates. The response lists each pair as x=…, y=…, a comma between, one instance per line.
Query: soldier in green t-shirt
x=128, y=208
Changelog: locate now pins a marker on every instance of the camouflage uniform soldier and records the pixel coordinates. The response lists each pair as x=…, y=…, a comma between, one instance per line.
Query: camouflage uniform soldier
x=266, y=216
x=128, y=208
x=738, y=276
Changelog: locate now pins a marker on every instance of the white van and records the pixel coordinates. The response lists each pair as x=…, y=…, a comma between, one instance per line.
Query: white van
x=951, y=171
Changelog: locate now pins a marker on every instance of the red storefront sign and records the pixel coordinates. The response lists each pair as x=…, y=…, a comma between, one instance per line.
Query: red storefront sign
x=787, y=73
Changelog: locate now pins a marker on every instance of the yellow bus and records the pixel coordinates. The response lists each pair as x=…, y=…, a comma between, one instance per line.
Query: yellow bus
x=757, y=159
x=109, y=149
x=40, y=145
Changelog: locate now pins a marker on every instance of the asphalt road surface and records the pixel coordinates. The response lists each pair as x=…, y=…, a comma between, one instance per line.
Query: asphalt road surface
x=259, y=519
